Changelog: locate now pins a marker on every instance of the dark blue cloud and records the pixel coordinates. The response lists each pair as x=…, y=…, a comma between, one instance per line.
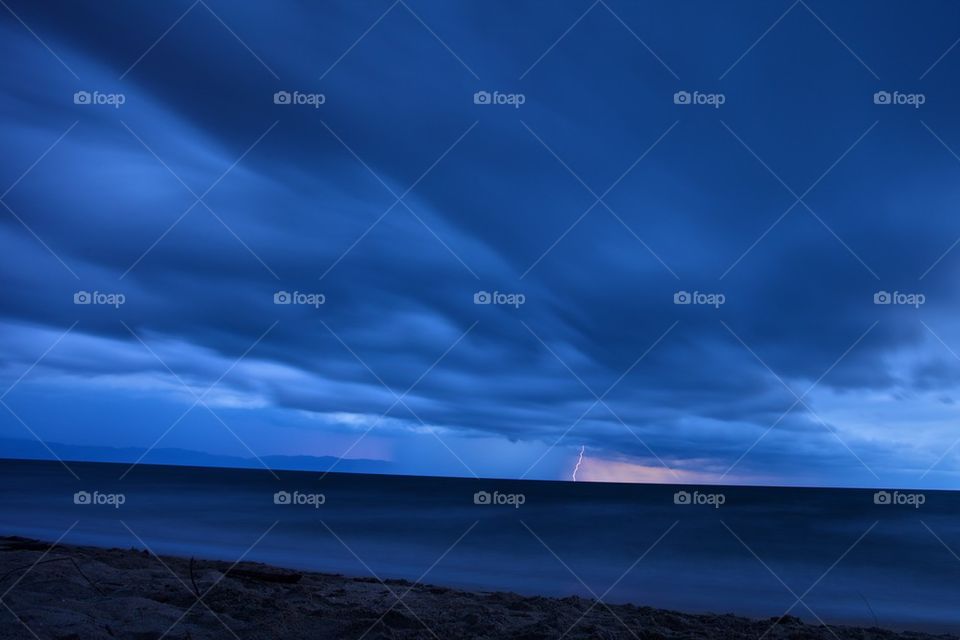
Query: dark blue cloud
x=399, y=197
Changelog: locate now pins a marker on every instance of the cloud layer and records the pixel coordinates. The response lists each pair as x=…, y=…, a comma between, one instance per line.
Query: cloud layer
x=397, y=159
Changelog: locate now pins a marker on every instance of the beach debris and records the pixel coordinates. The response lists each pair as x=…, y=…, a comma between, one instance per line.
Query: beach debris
x=196, y=589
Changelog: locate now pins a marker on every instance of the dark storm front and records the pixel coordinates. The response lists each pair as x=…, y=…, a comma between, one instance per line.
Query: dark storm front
x=855, y=556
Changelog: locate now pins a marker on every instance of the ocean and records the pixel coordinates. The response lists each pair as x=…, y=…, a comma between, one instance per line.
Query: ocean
x=837, y=555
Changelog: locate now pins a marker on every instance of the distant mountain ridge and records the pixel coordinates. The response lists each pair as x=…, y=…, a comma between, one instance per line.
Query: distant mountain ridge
x=33, y=450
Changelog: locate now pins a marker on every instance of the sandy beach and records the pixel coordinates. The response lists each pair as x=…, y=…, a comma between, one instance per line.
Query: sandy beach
x=75, y=592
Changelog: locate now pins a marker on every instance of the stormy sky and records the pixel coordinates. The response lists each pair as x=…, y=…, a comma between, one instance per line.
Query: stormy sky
x=697, y=241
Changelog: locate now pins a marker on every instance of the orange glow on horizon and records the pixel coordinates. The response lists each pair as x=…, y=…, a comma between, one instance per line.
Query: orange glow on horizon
x=600, y=470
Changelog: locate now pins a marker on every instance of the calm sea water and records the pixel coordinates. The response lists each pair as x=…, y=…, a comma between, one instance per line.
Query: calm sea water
x=849, y=559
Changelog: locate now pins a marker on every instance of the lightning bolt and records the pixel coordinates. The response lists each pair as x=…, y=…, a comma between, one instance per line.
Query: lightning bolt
x=579, y=461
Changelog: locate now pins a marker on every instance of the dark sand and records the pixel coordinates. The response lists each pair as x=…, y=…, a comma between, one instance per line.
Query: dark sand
x=85, y=593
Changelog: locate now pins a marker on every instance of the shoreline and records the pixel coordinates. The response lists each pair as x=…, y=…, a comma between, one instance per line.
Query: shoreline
x=85, y=592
